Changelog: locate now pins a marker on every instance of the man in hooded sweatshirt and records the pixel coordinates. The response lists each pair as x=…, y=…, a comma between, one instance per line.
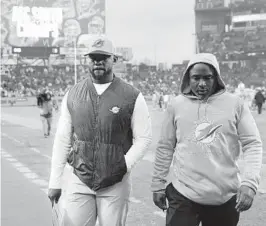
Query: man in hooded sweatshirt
x=203, y=132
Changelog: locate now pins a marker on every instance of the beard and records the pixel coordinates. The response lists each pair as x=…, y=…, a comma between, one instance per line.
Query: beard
x=100, y=74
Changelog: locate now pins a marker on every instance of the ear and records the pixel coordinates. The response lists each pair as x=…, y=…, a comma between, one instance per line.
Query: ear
x=115, y=58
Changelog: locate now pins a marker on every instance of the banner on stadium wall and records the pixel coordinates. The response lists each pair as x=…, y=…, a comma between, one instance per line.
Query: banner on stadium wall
x=51, y=22
x=209, y=4
x=153, y=68
x=71, y=51
x=249, y=18
x=209, y=26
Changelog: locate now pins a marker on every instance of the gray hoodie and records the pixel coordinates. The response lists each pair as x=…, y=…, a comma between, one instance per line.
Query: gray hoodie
x=203, y=140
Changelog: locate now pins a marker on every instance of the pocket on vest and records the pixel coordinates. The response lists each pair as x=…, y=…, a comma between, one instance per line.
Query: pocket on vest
x=81, y=158
x=113, y=167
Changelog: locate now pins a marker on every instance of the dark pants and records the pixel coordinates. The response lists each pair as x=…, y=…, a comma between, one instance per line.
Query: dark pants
x=184, y=212
x=259, y=107
x=160, y=104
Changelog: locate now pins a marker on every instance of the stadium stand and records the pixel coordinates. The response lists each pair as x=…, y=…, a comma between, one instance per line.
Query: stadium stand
x=239, y=45
x=238, y=40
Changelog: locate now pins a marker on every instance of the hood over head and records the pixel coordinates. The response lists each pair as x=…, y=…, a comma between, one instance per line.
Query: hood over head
x=206, y=58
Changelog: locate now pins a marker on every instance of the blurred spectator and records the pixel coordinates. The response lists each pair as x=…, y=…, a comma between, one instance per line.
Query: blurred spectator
x=259, y=100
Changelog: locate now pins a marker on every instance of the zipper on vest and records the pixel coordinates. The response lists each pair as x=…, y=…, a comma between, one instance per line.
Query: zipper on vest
x=96, y=136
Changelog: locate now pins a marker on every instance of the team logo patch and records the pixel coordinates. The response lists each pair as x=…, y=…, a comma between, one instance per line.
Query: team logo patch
x=205, y=132
x=115, y=110
x=98, y=43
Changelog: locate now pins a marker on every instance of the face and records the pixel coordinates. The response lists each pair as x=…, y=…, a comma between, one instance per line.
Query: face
x=202, y=80
x=72, y=28
x=101, y=66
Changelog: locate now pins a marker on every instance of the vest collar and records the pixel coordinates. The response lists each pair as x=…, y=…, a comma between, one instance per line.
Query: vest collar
x=111, y=87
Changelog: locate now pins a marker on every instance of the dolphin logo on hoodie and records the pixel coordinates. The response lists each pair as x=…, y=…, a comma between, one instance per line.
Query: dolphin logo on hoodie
x=206, y=132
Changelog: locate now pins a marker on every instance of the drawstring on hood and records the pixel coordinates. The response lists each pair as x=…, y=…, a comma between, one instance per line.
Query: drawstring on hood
x=205, y=112
x=205, y=58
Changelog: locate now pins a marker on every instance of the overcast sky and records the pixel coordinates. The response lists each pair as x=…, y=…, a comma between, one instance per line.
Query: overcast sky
x=146, y=25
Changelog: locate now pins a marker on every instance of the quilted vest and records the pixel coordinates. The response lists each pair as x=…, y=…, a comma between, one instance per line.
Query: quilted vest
x=102, y=132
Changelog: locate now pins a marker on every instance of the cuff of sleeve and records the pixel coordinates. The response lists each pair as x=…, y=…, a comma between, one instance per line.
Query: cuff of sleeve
x=158, y=187
x=251, y=185
x=55, y=185
x=160, y=191
x=128, y=163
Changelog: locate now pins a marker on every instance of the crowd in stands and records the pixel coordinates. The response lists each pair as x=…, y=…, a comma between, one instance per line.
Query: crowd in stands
x=239, y=46
x=229, y=46
x=232, y=45
x=28, y=81
x=159, y=81
x=248, y=7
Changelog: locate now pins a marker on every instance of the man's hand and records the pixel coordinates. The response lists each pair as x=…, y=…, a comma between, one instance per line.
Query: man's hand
x=54, y=195
x=159, y=199
x=245, y=196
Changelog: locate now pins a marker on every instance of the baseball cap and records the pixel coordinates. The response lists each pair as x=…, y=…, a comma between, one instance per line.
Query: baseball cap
x=101, y=45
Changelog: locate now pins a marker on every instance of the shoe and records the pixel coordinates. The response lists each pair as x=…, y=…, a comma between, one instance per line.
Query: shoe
x=45, y=136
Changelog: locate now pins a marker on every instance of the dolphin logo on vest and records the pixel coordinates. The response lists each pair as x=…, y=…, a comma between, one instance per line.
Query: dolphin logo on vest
x=115, y=110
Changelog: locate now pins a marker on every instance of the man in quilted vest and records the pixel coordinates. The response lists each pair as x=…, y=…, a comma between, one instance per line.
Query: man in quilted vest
x=103, y=131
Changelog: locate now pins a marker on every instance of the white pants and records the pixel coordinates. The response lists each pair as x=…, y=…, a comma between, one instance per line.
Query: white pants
x=81, y=206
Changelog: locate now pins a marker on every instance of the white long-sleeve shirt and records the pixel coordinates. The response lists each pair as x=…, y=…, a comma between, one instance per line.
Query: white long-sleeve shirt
x=141, y=128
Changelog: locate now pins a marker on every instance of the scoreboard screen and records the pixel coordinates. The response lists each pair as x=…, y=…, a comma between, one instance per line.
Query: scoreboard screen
x=51, y=22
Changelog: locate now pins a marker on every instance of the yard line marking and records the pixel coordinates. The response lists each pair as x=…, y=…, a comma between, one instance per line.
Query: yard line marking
x=262, y=191
x=160, y=213
x=34, y=178
x=6, y=155
x=10, y=159
x=40, y=182
x=45, y=190
x=17, y=164
x=148, y=157
x=23, y=144
x=31, y=175
x=26, y=172
x=134, y=200
x=17, y=120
